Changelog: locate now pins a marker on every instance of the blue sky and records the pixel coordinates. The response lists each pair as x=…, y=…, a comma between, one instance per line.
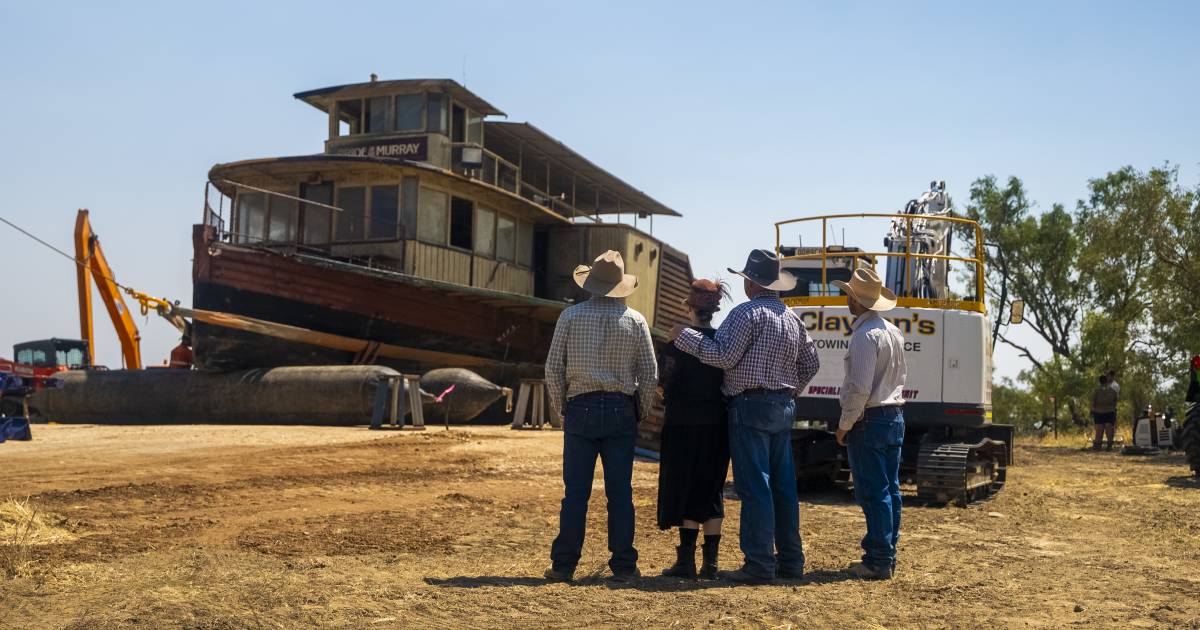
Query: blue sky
x=735, y=114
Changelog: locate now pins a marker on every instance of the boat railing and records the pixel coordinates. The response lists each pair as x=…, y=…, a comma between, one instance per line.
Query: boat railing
x=910, y=222
x=493, y=169
x=503, y=174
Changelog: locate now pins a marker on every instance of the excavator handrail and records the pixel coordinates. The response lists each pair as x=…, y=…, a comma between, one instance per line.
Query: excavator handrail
x=978, y=303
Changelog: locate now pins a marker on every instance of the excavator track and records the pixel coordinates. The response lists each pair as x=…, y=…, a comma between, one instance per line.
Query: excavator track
x=960, y=473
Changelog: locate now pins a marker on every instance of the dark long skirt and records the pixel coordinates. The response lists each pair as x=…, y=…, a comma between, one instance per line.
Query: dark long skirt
x=691, y=473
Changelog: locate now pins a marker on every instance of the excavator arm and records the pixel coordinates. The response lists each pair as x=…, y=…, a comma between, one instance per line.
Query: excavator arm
x=91, y=264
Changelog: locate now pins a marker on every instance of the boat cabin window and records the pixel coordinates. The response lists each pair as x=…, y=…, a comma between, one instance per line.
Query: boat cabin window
x=409, y=188
x=462, y=218
x=485, y=233
x=377, y=114
x=281, y=227
x=436, y=110
x=410, y=112
x=458, y=124
x=525, y=243
x=405, y=113
x=431, y=216
x=316, y=219
x=349, y=224
x=251, y=217
x=349, y=114
x=385, y=210
x=506, y=239
x=474, y=128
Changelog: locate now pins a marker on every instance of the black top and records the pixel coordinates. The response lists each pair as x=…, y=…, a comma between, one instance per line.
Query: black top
x=692, y=390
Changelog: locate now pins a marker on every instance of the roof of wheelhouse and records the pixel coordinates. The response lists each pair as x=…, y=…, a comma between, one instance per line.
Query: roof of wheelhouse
x=324, y=98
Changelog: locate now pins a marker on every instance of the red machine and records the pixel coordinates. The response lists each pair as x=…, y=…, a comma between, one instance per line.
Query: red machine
x=36, y=365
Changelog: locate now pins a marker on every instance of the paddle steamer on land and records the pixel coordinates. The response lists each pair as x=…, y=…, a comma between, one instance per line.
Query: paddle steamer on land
x=424, y=225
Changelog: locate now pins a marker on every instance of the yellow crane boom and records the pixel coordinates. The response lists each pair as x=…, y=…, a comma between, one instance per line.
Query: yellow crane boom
x=92, y=265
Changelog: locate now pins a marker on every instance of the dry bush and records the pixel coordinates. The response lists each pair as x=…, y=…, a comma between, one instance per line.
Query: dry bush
x=22, y=526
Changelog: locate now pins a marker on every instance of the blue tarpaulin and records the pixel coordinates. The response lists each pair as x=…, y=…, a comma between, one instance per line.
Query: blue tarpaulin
x=15, y=429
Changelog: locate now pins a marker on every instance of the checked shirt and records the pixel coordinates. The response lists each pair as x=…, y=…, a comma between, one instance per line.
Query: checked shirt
x=759, y=345
x=601, y=345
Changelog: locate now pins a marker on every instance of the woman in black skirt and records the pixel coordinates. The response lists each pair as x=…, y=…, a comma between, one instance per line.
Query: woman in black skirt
x=694, y=444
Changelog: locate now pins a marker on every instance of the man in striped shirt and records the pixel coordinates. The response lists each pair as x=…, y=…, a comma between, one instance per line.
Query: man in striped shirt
x=768, y=359
x=601, y=375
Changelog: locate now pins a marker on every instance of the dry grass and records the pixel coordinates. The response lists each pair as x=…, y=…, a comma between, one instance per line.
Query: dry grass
x=452, y=530
x=22, y=527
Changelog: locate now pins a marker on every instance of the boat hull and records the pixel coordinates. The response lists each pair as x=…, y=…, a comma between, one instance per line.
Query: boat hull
x=501, y=340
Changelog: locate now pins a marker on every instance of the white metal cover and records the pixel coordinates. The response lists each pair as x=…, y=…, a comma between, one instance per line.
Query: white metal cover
x=946, y=352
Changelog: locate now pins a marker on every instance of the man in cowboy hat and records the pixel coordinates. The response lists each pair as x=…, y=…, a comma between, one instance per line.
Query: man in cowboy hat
x=768, y=359
x=601, y=376
x=872, y=420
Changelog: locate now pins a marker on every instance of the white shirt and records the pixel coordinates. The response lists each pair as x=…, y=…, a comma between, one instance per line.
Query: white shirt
x=875, y=368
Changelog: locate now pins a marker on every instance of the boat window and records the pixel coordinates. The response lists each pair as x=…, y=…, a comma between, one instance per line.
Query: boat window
x=458, y=123
x=431, y=216
x=462, y=219
x=349, y=117
x=385, y=202
x=352, y=201
x=525, y=244
x=506, y=238
x=251, y=219
x=377, y=114
x=282, y=225
x=437, y=113
x=474, y=128
x=316, y=219
x=485, y=232
x=410, y=112
x=408, y=207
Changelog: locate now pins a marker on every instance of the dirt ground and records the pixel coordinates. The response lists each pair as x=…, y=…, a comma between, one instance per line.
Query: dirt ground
x=267, y=527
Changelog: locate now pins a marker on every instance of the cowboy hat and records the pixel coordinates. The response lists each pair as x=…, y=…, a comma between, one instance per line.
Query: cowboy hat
x=762, y=268
x=606, y=276
x=866, y=289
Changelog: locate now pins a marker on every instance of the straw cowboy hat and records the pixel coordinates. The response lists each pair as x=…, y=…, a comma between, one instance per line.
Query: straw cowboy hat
x=762, y=268
x=866, y=289
x=606, y=276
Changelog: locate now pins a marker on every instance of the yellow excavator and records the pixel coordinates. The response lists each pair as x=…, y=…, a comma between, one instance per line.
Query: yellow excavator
x=91, y=265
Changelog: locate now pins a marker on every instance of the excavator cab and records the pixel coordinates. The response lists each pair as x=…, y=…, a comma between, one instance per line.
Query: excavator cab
x=56, y=354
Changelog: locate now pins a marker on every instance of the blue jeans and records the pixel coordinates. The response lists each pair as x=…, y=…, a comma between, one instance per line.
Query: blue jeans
x=760, y=445
x=601, y=424
x=874, y=448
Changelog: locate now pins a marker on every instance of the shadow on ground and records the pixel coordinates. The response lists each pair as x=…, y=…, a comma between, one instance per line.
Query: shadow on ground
x=654, y=584
x=1183, y=481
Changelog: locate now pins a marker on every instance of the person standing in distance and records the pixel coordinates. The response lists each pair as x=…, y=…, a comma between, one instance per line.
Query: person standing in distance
x=768, y=359
x=871, y=426
x=601, y=376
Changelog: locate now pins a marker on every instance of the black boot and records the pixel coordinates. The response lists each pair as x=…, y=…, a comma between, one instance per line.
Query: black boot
x=685, y=563
x=708, y=567
x=1096, y=445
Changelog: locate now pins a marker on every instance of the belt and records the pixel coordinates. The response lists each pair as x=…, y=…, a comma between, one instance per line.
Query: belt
x=762, y=391
x=599, y=394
